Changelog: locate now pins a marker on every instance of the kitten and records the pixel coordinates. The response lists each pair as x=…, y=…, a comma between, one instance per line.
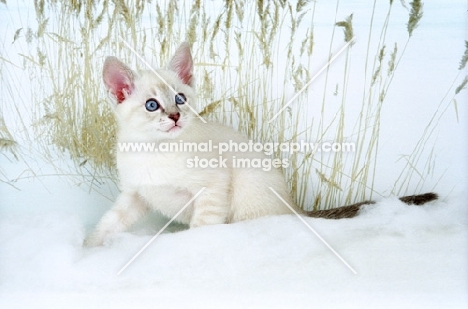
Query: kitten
x=149, y=111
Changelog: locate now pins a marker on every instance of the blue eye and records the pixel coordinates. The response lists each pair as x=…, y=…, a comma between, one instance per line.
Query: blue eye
x=152, y=105
x=180, y=98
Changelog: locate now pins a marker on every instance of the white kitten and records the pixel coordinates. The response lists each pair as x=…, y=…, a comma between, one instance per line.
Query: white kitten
x=148, y=111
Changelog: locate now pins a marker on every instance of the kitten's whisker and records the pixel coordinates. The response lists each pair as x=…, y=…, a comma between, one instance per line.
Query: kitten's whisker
x=160, y=231
x=314, y=231
x=312, y=79
x=159, y=76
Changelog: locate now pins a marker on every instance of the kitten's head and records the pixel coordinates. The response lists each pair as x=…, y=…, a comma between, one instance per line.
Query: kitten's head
x=147, y=108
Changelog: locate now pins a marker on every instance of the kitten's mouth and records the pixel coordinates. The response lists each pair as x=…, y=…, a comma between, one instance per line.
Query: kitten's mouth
x=175, y=128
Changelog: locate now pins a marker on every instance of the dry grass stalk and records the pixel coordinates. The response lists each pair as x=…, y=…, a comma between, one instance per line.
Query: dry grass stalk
x=347, y=25
x=415, y=16
x=464, y=58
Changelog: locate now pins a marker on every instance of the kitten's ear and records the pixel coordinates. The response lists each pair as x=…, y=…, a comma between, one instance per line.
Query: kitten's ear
x=118, y=78
x=182, y=63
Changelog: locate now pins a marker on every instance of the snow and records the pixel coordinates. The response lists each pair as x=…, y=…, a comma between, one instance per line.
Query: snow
x=404, y=256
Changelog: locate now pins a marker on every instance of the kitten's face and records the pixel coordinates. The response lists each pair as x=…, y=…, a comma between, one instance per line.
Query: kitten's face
x=152, y=107
x=155, y=110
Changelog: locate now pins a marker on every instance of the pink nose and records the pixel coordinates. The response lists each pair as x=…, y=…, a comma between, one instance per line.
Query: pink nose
x=174, y=117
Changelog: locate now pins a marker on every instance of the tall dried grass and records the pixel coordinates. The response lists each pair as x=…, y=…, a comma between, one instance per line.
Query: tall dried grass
x=239, y=54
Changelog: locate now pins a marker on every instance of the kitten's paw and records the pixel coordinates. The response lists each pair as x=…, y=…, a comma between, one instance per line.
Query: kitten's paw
x=93, y=241
x=199, y=221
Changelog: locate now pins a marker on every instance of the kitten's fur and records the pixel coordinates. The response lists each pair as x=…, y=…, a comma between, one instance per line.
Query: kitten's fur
x=162, y=181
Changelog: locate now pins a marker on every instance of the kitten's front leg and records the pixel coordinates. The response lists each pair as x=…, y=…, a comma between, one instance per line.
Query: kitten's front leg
x=128, y=208
x=212, y=207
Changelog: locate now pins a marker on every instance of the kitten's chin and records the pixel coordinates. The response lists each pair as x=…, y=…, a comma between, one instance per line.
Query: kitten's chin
x=174, y=131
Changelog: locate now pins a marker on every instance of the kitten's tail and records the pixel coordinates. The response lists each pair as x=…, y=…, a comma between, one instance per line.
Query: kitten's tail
x=353, y=210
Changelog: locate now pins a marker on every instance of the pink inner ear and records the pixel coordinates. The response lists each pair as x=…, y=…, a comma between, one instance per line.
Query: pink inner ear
x=182, y=63
x=118, y=78
x=121, y=89
x=185, y=74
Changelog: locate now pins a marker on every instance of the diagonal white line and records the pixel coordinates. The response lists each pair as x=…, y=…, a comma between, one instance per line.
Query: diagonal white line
x=315, y=232
x=160, y=77
x=162, y=230
x=312, y=79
